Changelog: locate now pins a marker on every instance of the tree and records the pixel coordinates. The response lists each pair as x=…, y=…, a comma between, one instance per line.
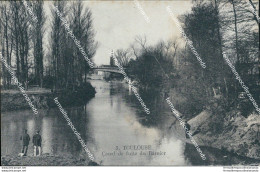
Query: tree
x=123, y=57
x=72, y=64
x=58, y=36
x=153, y=65
x=82, y=27
x=38, y=31
x=6, y=41
x=20, y=31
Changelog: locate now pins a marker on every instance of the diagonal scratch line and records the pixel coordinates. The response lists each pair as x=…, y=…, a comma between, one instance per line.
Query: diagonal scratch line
x=161, y=67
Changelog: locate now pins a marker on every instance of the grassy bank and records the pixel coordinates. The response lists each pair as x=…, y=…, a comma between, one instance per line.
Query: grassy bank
x=46, y=160
x=43, y=98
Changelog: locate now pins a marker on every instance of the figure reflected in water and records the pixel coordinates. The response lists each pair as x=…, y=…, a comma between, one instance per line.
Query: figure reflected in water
x=25, y=139
x=37, y=143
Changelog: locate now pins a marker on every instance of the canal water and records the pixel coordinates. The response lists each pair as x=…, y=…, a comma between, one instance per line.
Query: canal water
x=114, y=126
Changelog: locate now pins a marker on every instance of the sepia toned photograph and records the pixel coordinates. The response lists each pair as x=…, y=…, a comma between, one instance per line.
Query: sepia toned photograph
x=130, y=83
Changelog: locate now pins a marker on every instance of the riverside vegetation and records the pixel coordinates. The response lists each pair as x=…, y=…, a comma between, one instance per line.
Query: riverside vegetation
x=211, y=99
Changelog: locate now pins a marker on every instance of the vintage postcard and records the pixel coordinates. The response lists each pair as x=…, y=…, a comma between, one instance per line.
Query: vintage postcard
x=130, y=83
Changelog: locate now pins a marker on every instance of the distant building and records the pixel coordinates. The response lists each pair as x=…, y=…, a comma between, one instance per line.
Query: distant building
x=112, y=62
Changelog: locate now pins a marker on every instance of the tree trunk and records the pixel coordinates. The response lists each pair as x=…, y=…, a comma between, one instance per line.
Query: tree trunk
x=236, y=32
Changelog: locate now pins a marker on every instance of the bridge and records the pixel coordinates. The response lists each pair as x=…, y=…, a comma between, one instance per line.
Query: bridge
x=108, y=69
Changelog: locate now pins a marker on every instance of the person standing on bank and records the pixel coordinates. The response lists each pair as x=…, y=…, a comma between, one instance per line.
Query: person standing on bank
x=26, y=139
x=37, y=143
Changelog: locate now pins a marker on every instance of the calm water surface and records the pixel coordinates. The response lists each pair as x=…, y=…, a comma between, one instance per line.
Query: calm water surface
x=108, y=122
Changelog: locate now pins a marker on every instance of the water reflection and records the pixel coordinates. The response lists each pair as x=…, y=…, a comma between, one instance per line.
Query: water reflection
x=113, y=118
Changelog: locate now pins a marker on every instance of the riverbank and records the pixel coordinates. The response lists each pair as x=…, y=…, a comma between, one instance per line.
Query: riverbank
x=234, y=133
x=217, y=157
x=43, y=98
x=218, y=126
x=46, y=160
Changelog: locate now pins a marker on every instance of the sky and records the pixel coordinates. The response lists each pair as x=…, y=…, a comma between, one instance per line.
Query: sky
x=117, y=23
